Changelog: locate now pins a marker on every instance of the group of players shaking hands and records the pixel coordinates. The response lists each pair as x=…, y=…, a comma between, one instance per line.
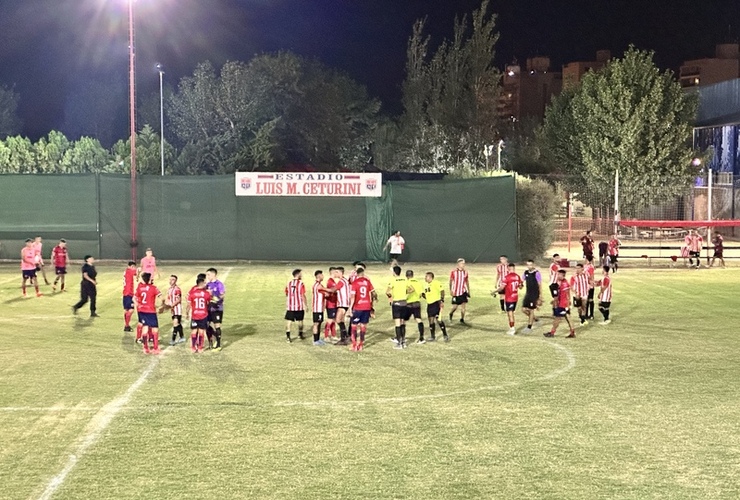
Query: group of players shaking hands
x=580, y=291
x=354, y=297
x=204, y=306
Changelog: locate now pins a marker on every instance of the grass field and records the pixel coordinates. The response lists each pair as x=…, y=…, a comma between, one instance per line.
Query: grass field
x=647, y=407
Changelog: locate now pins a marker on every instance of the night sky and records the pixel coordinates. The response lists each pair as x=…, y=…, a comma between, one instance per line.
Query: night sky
x=49, y=48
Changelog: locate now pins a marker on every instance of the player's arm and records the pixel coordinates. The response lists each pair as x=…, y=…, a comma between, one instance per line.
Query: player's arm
x=88, y=278
x=187, y=309
x=467, y=285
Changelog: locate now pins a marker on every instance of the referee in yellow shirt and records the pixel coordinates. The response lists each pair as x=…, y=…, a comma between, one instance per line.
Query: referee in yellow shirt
x=397, y=291
x=434, y=294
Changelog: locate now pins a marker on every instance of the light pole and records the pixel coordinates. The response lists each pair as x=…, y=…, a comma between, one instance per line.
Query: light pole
x=132, y=119
x=160, y=68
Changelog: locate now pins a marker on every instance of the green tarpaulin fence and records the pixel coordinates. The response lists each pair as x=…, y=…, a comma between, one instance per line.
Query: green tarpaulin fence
x=200, y=218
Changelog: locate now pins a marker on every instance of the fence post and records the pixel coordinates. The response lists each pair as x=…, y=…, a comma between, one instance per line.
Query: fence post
x=98, y=223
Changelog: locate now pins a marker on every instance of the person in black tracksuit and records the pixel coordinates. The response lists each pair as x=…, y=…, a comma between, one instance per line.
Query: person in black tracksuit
x=88, y=287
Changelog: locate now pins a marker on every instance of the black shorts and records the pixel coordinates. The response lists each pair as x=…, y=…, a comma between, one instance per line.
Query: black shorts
x=345, y=309
x=577, y=302
x=589, y=254
x=412, y=310
x=199, y=324
x=395, y=256
x=510, y=306
x=434, y=309
x=604, y=305
x=460, y=299
x=718, y=254
x=215, y=316
x=613, y=258
x=294, y=315
x=318, y=318
x=399, y=311
x=60, y=270
x=331, y=312
x=177, y=317
x=530, y=302
x=590, y=294
x=29, y=273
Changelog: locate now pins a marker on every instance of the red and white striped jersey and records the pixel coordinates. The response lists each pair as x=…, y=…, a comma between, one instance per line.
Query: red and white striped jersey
x=614, y=245
x=343, y=290
x=589, y=271
x=554, y=268
x=606, y=287
x=174, y=300
x=458, y=282
x=579, y=284
x=295, y=291
x=501, y=271
x=317, y=299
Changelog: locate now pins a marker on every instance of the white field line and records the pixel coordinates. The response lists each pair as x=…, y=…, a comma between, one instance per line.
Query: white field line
x=100, y=421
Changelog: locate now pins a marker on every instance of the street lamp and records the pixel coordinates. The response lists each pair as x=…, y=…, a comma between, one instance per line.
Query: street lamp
x=132, y=119
x=160, y=68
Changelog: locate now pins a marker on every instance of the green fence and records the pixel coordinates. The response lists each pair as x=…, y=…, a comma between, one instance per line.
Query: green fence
x=200, y=218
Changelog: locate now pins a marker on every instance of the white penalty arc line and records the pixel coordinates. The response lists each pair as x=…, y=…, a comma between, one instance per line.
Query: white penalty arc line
x=95, y=429
x=570, y=364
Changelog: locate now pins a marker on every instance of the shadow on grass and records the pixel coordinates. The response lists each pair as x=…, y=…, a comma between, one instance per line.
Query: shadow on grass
x=82, y=322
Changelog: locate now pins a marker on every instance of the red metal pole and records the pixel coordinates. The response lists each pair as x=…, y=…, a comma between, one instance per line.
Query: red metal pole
x=132, y=119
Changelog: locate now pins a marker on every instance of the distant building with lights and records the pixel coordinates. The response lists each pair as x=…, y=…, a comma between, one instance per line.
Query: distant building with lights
x=527, y=91
x=573, y=72
x=718, y=126
x=725, y=65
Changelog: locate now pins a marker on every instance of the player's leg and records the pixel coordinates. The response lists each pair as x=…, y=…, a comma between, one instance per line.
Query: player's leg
x=432, y=319
x=23, y=284
x=463, y=308
x=43, y=273
x=217, y=328
x=93, y=293
x=201, y=338
x=556, y=318
x=341, y=313
x=510, y=317
x=288, y=324
x=591, y=304
x=604, y=309
x=572, y=333
x=83, y=299
x=145, y=338
x=453, y=309
x=419, y=324
x=353, y=330
x=363, y=332
x=154, y=335
x=300, y=330
x=35, y=282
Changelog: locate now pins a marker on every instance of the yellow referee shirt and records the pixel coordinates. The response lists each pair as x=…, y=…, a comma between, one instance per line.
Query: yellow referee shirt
x=433, y=292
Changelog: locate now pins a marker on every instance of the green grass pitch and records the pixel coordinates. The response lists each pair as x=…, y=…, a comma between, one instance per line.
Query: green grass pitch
x=647, y=407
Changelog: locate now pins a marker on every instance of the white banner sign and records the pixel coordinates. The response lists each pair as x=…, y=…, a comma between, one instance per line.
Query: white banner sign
x=308, y=184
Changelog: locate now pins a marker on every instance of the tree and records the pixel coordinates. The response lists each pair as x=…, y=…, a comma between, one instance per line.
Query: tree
x=628, y=117
x=148, y=154
x=50, y=151
x=277, y=109
x=10, y=124
x=86, y=155
x=450, y=96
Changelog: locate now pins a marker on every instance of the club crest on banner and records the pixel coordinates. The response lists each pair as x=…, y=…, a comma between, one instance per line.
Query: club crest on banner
x=246, y=182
